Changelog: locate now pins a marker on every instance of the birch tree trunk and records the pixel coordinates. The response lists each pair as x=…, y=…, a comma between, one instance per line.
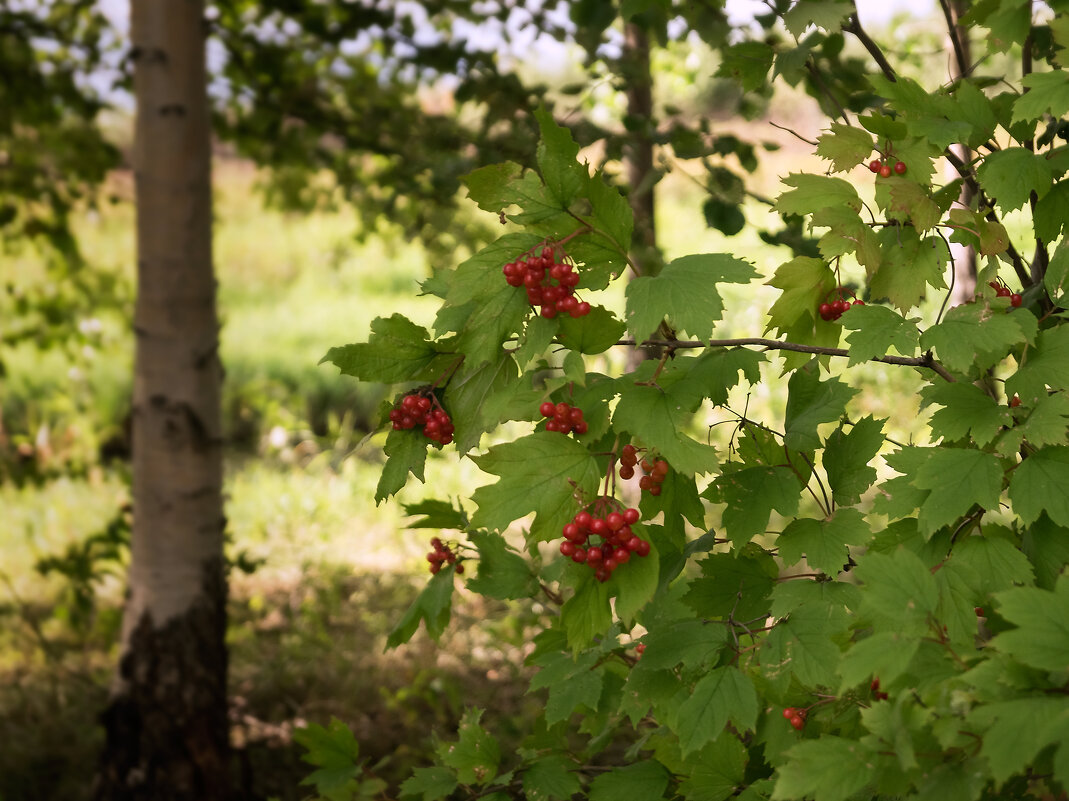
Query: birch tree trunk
x=166, y=724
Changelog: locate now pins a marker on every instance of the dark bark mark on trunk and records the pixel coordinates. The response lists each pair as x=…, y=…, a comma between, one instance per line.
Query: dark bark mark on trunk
x=167, y=725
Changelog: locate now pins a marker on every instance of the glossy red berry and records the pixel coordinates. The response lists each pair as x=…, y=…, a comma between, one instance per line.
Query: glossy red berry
x=874, y=165
x=885, y=170
x=900, y=168
x=632, y=516
x=1015, y=299
x=798, y=721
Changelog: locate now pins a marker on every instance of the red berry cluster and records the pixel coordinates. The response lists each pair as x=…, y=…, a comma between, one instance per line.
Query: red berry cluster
x=614, y=543
x=875, y=687
x=442, y=554
x=833, y=310
x=1003, y=291
x=655, y=470
x=550, y=283
x=563, y=418
x=416, y=410
x=884, y=168
x=795, y=716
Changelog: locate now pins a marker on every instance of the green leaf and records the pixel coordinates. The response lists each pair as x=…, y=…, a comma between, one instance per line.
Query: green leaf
x=586, y=614
x=717, y=772
x=826, y=14
x=717, y=371
x=433, y=606
x=1052, y=212
x=656, y=418
x=789, y=595
x=641, y=781
x=1047, y=364
x=335, y=752
x=844, y=146
x=480, y=305
x=503, y=573
x=805, y=283
x=475, y=755
x=491, y=186
x=735, y=586
x=557, y=153
x=967, y=409
x=539, y=473
x=899, y=591
x=814, y=192
x=1012, y=174
x=908, y=265
x=1017, y=730
x=429, y=784
x=723, y=694
x=828, y=769
x=811, y=402
x=689, y=642
x=611, y=215
x=595, y=332
x=396, y=351
x=803, y=645
x=635, y=583
x=406, y=452
x=751, y=494
x=1041, y=484
x=1049, y=94
x=479, y=397
x=1047, y=547
x=977, y=336
x=572, y=684
x=997, y=563
x=958, y=478
x=886, y=654
x=911, y=202
x=550, y=779
x=436, y=514
x=685, y=292
x=746, y=62
x=824, y=542
x=847, y=456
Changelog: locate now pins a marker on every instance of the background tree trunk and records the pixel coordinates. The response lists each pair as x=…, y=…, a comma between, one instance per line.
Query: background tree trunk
x=167, y=721
x=964, y=255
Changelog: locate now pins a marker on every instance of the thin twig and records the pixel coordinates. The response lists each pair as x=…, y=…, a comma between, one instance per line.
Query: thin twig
x=774, y=344
x=854, y=27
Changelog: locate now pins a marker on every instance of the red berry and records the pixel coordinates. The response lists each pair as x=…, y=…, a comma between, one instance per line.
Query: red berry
x=874, y=165
x=547, y=409
x=826, y=312
x=1015, y=299
x=900, y=168
x=567, y=548
x=655, y=490
x=645, y=483
x=632, y=516
x=621, y=555
x=460, y=570
x=661, y=468
x=633, y=544
x=640, y=649
x=797, y=721
x=579, y=556
x=643, y=548
x=593, y=555
x=598, y=526
x=885, y=171
x=582, y=519
x=581, y=427
x=627, y=471
x=858, y=303
x=614, y=521
x=1015, y=401
x=582, y=309
x=788, y=712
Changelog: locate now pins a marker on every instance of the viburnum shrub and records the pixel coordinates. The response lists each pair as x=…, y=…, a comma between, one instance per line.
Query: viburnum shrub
x=819, y=567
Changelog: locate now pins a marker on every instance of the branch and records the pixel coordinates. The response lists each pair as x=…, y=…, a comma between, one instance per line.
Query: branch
x=823, y=87
x=774, y=344
x=855, y=28
x=955, y=40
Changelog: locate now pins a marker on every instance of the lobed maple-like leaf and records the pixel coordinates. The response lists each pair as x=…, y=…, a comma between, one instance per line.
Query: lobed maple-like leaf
x=957, y=478
x=846, y=458
x=811, y=402
x=1041, y=484
x=685, y=292
x=721, y=695
x=475, y=755
x=539, y=473
x=824, y=543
